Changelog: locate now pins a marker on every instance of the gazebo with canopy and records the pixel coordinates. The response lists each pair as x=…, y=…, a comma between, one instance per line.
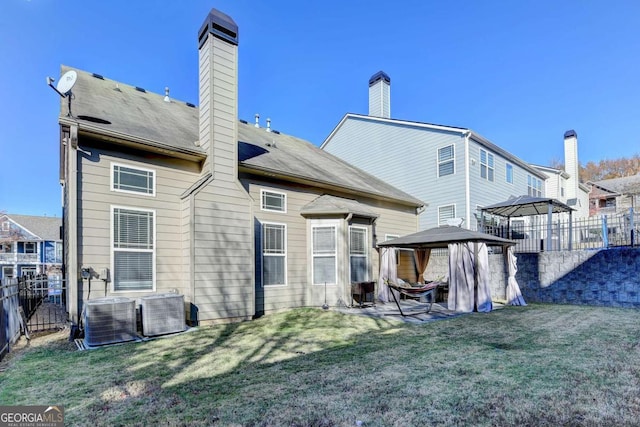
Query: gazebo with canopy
x=469, y=288
x=529, y=206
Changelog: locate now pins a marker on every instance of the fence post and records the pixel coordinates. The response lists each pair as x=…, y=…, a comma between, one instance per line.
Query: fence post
x=570, y=231
x=632, y=227
x=605, y=232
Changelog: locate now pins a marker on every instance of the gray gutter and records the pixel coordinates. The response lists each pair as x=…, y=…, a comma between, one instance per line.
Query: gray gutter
x=131, y=140
x=328, y=185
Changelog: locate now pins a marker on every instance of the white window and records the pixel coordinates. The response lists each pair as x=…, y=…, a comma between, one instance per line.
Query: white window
x=324, y=254
x=129, y=179
x=27, y=271
x=273, y=201
x=274, y=254
x=133, y=246
x=358, y=254
x=5, y=226
x=30, y=248
x=445, y=213
x=534, y=186
x=446, y=164
x=486, y=165
x=509, y=173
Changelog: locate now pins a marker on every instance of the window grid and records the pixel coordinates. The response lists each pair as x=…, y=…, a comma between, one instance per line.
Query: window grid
x=358, y=254
x=534, y=186
x=273, y=201
x=133, y=180
x=446, y=165
x=274, y=255
x=486, y=165
x=445, y=213
x=324, y=253
x=509, y=177
x=133, y=249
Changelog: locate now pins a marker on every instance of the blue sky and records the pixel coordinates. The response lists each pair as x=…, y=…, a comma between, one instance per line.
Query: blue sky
x=519, y=73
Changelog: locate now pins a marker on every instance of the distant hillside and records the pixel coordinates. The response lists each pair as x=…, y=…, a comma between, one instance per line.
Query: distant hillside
x=606, y=169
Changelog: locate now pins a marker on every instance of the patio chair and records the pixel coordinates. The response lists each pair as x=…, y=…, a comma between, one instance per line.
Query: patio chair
x=426, y=290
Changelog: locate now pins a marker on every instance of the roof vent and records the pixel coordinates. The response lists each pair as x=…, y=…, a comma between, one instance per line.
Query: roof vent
x=277, y=132
x=244, y=121
x=190, y=105
x=570, y=133
x=257, y=120
x=94, y=120
x=268, y=125
x=117, y=87
x=139, y=89
x=166, y=94
x=97, y=76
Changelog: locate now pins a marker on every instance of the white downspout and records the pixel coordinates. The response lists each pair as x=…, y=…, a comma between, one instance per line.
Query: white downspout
x=467, y=189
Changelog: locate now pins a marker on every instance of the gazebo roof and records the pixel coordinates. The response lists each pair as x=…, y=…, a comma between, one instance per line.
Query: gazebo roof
x=526, y=206
x=440, y=237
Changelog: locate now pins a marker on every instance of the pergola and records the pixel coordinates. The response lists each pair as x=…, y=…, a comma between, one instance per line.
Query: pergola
x=530, y=206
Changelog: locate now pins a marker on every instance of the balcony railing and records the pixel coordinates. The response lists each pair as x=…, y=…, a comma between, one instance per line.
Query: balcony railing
x=15, y=258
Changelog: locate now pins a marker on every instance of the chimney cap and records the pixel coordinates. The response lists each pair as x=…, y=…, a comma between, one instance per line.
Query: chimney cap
x=570, y=133
x=220, y=25
x=380, y=75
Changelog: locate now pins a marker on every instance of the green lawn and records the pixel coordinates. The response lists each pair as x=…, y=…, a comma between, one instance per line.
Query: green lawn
x=538, y=365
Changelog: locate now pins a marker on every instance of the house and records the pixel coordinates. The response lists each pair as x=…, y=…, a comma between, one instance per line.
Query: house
x=455, y=169
x=160, y=195
x=564, y=184
x=615, y=195
x=30, y=245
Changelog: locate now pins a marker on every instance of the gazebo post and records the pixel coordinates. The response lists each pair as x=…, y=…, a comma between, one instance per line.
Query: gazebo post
x=549, y=223
x=570, y=231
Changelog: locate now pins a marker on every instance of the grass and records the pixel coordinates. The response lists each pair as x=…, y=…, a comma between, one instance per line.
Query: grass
x=541, y=365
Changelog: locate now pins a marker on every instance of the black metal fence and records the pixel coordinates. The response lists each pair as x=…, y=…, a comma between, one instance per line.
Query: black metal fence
x=595, y=232
x=30, y=304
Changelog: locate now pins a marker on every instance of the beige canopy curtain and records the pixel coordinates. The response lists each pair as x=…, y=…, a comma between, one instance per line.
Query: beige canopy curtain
x=469, y=287
x=514, y=296
x=388, y=271
x=421, y=257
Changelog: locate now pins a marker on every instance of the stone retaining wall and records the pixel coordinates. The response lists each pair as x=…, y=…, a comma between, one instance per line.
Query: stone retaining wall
x=605, y=277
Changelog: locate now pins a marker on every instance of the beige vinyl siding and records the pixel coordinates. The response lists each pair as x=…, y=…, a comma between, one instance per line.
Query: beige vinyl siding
x=223, y=249
x=173, y=177
x=299, y=291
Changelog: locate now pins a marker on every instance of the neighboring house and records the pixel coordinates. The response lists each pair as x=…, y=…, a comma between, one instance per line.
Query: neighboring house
x=615, y=195
x=456, y=170
x=160, y=195
x=29, y=245
x=564, y=184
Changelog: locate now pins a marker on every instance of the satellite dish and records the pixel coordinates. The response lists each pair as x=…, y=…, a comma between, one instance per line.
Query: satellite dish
x=67, y=81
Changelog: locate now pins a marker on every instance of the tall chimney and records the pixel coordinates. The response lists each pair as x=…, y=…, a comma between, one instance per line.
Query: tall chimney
x=380, y=95
x=571, y=165
x=218, y=76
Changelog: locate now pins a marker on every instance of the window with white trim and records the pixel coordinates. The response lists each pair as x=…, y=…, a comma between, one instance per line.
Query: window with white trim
x=30, y=248
x=486, y=165
x=534, y=186
x=273, y=201
x=274, y=254
x=129, y=179
x=358, y=254
x=446, y=164
x=133, y=246
x=445, y=213
x=324, y=254
x=509, y=177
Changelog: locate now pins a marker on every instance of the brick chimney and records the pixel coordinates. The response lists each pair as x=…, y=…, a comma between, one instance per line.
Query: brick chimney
x=571, y=165
x=380, y=95
x=218, y=94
